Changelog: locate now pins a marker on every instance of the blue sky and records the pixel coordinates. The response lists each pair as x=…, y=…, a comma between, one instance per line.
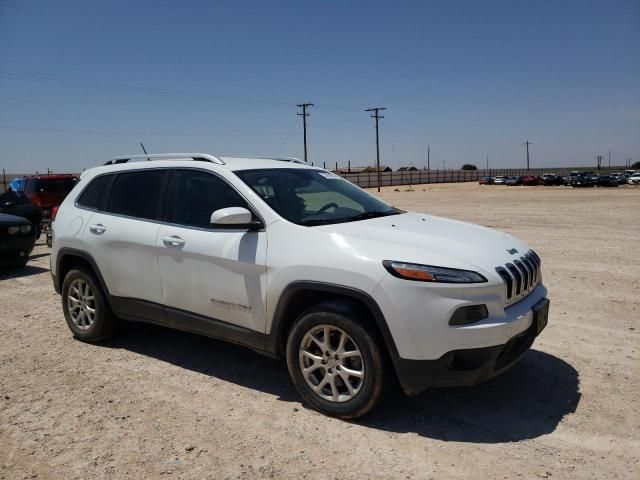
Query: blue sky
x=82, y=81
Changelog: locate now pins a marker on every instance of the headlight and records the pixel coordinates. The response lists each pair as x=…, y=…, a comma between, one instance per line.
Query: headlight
x=25, y=228
x=428, y=273
x=13, y=229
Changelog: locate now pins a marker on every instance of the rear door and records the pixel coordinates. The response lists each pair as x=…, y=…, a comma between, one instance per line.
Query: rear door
x=121, y=237
x=211, y=278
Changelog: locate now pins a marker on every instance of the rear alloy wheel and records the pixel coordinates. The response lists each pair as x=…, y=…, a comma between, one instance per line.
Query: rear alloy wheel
x=336, y=361
x=85, y=307
x=81, y=303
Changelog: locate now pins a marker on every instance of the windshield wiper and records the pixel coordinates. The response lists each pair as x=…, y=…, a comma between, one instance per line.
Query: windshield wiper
x=367, y=215
x=355, y=218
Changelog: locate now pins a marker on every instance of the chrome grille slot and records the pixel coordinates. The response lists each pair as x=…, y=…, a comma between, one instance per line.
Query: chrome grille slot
x=507, y=280
x=525, y=274
x=515, y=273
x=520, y=277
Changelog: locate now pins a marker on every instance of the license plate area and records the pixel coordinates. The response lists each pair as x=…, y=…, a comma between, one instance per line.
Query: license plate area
x=540, y=315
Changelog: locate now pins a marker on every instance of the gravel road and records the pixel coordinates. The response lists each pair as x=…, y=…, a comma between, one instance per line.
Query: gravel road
x=155, y=403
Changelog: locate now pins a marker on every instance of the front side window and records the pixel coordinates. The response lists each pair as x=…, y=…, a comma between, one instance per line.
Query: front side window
x=197, y=195
x=313, y=197
x=138, y=194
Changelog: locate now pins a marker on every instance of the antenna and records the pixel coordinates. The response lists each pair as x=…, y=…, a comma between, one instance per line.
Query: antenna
x=145, y=151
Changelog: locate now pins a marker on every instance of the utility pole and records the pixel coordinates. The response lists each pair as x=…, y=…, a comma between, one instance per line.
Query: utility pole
x=527, y=143
x=376, y=114
x=145, y=151
x=609, y=158
x=304, y=116
x=487, y=161
x=428, y=157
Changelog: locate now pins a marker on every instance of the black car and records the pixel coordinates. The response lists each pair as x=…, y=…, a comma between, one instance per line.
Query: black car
x=582, y=181
x=17, y=203
x=607, y=181
x=17, y=238
x=550, y=179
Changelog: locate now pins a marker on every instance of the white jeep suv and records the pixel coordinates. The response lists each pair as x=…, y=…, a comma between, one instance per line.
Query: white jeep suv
x=296, y=263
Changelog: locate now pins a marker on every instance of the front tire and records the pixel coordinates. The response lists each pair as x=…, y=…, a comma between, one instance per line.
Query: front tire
x=85, y=307
x=336, y=362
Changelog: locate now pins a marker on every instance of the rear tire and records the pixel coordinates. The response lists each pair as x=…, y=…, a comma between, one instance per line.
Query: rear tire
x=346, y=386
x=85, y=307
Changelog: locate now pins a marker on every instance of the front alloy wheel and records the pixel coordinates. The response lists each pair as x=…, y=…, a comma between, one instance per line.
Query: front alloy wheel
x=336, y=360
x=331, y=363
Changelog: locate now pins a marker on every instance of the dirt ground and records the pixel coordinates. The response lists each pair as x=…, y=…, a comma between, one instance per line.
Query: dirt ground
x=155, y=403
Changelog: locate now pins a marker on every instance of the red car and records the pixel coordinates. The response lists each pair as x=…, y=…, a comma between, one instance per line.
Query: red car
x=531, y=180
x=48, y=191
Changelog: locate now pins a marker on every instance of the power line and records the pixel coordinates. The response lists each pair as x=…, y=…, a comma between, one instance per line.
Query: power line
x=26, y=75
x=376, y=114
x=128, y=132
x=57, y=80
x=304, y=116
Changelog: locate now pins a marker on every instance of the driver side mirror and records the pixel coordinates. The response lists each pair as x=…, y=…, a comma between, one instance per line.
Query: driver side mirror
x=234, y=218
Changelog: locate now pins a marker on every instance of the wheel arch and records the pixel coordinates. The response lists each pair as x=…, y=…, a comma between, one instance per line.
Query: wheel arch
x=301, y=295
x=70, y=258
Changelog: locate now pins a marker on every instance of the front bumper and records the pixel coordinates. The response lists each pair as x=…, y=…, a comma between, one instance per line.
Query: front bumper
x=13, y=251
x=467, y=367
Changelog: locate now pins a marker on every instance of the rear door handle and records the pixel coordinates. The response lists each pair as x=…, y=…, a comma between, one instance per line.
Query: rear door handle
x=97, y=228
x=173, y=240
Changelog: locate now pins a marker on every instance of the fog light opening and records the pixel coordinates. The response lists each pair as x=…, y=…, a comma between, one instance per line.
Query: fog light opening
x=469, y=314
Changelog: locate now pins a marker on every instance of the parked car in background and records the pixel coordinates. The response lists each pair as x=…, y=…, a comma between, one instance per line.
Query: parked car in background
x=531, y=180
x=512, y=181
x=16, y=184
x=549, y=179
x=582, y=180
x=17, y=203
x=568, y=179
x=619, y=178
x=606, y=181
x=499, y=180
x=634, y=179
x=485, y=180
x=17, y=239
x=48, y=191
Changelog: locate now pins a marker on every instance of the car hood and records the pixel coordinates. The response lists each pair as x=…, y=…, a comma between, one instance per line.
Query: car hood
x=427, y=239
x=6, y=219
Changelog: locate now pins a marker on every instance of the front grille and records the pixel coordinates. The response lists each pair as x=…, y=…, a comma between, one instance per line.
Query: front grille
x=521, y=276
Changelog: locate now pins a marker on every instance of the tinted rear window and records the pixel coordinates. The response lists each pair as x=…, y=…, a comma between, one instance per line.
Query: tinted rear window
x=51, y=185
x=94, y=196
x=138, y=194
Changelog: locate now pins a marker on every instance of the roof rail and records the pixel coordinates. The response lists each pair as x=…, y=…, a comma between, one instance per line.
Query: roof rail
x=291, y=159
x=201, y=157
x=279, y=159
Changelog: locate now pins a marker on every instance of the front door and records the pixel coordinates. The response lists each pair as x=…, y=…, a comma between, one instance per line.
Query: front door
x=211, y=278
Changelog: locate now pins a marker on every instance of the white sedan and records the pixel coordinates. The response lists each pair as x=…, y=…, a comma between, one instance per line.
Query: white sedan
x=634, y=179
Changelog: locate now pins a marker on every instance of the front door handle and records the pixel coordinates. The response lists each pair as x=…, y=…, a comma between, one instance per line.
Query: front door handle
x=97, y=228
x=173, y=240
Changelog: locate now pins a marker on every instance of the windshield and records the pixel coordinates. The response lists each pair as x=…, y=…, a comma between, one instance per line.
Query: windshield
x=313, y=197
